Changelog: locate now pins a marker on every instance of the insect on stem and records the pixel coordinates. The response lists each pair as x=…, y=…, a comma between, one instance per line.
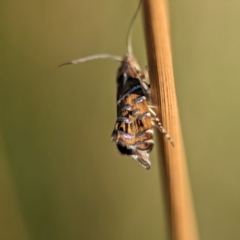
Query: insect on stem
x=133, y=130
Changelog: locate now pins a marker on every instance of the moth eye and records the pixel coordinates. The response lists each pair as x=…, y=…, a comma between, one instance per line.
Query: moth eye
x=121, y=128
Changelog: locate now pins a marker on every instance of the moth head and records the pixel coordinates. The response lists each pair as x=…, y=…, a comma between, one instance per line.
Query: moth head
x=129, y=65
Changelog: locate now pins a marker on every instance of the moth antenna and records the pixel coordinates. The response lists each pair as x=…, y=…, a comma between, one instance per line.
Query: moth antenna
x=129, y=32
x=93, y=57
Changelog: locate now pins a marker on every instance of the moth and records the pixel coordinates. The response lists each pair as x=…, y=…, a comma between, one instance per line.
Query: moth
x=133, y=130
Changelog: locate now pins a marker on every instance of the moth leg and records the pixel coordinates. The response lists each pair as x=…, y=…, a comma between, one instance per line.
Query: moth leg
x=146, y=75
x=156, y=123
x=144, y=80
x=151, y=106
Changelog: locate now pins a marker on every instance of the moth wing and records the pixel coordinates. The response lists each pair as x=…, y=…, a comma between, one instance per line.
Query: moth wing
x=143, y=158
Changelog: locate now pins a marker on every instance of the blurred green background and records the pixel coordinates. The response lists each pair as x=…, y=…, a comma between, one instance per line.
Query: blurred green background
x=61, y=177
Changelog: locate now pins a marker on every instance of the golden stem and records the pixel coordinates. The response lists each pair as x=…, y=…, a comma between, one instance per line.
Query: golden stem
x=182, y=217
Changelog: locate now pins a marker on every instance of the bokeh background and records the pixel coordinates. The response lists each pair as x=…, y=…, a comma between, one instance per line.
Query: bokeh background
x=60, y=175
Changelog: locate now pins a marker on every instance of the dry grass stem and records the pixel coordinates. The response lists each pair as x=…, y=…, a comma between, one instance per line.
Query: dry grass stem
x=183, y=224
